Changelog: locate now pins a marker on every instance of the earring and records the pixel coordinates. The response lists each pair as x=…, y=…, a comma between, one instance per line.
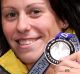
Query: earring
x=65, y=26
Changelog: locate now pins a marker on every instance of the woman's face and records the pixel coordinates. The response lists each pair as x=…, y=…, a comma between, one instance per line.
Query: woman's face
x=28, y=25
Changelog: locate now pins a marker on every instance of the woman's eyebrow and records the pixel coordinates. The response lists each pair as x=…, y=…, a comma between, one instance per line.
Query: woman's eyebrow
x=8, y=8
x=27, y=6
x=42, y=3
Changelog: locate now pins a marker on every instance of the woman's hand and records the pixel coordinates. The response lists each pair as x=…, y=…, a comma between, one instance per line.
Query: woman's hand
x=69, y=65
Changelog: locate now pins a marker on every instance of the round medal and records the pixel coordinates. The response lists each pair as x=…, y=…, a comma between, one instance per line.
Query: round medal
x=57, y=49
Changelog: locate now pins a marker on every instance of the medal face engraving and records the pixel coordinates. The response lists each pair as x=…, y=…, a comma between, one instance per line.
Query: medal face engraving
x=57, y=49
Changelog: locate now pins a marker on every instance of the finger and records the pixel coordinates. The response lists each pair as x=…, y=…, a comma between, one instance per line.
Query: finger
x=74, y=57
x=66, y=69
x=57, y=71
x=69, y=63
x=65, y=73
x=61, y=69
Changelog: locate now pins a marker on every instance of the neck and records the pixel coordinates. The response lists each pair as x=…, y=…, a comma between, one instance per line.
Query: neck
x=29, y=66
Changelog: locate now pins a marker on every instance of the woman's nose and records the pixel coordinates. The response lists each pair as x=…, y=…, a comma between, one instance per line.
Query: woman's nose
x=23, y=24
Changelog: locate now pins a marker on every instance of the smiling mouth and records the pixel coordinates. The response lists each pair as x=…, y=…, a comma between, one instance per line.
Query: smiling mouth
x=27, y=41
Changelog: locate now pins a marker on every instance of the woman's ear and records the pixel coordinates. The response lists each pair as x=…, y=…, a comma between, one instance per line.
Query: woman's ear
x=64, y=24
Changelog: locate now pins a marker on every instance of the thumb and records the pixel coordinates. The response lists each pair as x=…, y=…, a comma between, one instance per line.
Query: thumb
x=75, y=56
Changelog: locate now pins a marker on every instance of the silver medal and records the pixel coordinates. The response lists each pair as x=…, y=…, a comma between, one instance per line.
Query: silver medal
x=57, y=49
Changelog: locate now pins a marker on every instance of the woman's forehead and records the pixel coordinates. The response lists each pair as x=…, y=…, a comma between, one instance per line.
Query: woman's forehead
x=24, y=3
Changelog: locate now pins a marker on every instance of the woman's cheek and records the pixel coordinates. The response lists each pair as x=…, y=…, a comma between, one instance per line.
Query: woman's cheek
x=8, y=30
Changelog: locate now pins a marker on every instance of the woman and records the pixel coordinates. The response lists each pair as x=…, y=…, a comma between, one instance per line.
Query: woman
x=27, y=25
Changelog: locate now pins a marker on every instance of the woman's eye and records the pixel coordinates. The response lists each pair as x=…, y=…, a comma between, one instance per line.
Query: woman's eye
x=10, y=16
x=35, y=13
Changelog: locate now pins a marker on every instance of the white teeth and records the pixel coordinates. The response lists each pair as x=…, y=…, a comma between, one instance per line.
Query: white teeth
x=25, y=42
